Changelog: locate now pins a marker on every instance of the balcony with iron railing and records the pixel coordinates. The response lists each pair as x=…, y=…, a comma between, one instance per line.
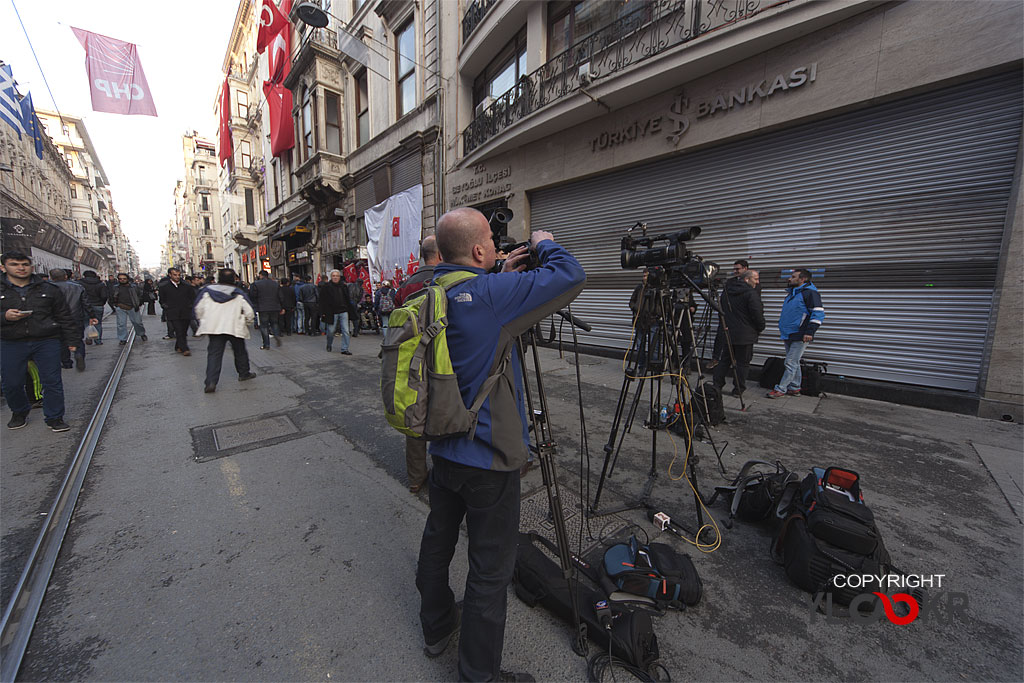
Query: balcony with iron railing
x=650, y=30
x=475, y=13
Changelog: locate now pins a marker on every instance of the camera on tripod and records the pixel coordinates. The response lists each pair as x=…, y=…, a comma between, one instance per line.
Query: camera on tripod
x=670, y=264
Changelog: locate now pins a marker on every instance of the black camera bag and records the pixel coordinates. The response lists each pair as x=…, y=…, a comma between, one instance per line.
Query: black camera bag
x=771, y=372
x=810, y=377
x=838, y=515
x=756, y=492
x=707, y=403
x=538, y=580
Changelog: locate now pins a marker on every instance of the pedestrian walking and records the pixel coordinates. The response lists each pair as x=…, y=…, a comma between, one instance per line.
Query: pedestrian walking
x=743, y=317
x=224, y=313
x=74, y=295
x=176, y=298
x=96, y=293
x=34, y=322
x=476, y=478
x=126, y=300
x=355, y=295
x=149, y=296
x=335, y=309
x=384, y=302
x=287, y=297
x=802, y=314
x=267, y=303
x=415, y=449
x=309, y=295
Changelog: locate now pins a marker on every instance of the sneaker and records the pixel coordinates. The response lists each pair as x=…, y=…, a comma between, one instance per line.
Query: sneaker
x=168, y=337
x=248, y=375
x=439, y=647
x=58, y=425
x=775, y=393
x=210, y=388
x=264, y=348
x=186, y=352
x=346, y=353
x=17, y=421
x=515, y=676
x=793, y=392
x=80, y=363
x=145, y=338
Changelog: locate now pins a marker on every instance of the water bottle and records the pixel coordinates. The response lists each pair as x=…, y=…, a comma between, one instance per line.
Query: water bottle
x=664, y=415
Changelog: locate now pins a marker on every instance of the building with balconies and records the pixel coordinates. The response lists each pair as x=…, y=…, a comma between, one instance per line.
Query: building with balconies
x=241, y=183
x=197, y=206
x=875, y=143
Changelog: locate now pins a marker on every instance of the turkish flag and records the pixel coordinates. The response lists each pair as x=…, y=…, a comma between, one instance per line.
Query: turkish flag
x=414, y=264
x=282, y=133
x=350, y=272
x=227, y=148
x=116, y=80
x=280, y=55
x=271, y=22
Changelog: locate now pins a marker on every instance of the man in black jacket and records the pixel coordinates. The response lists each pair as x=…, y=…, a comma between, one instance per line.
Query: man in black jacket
x=34, y=322
x=126, y=299
x=743, y=319
x=176, y=299
x=267, y=302
x=96, y=293
x=286, y=295
x=335, y=309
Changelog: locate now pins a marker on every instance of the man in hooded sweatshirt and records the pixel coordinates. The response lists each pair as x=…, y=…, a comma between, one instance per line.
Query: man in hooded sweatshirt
x=225, y=314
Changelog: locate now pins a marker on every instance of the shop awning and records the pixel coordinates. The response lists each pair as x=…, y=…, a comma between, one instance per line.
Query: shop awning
x=303, y=225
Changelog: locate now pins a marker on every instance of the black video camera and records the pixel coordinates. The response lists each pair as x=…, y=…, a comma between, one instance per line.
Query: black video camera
x=506, y=245
x=660, y=250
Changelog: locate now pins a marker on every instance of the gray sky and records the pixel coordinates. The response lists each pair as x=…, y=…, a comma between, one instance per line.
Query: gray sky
x=181, y=46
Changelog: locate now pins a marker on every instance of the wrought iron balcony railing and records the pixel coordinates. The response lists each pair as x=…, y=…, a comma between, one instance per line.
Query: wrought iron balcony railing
x=649, y=30
x=475, y=13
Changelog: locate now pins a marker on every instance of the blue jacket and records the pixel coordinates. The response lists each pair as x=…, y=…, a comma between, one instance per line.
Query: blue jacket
x=486, y=314
x=802, y=313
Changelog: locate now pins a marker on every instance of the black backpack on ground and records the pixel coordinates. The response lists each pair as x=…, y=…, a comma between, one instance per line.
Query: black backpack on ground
x=829, y=531
x=771, y=372
x=810, y=377
x=539, y=580
x=754, y=495
x=707, y=403
x=655, y=571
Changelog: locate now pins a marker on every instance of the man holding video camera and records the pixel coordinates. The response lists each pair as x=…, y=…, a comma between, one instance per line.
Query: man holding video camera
x=477, y=477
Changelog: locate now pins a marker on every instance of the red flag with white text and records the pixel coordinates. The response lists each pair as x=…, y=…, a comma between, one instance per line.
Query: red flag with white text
x=282, y=133
x=117, y=83
x=271, y=21
x=227, y=148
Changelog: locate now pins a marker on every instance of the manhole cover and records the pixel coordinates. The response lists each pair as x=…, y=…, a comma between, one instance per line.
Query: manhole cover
x=251, y=432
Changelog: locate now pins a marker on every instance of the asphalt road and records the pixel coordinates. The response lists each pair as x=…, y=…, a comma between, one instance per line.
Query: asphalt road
x=265, y=532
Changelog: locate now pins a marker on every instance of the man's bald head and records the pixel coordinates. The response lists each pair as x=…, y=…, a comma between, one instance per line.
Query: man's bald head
x=459, y=231
x=429, y=252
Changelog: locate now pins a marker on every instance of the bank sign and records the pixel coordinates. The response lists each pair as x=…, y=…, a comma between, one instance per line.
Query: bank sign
x=674, y=123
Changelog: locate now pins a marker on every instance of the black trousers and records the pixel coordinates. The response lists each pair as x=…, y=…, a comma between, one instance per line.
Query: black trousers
x=215, y=356
x=288, y=323
x=743, y=354
x=489, y=502
x=180, y=334
x=312, y=322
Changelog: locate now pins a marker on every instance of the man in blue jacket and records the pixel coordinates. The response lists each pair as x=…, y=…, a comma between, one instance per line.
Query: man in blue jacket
x=802, y=315
x=477, y=478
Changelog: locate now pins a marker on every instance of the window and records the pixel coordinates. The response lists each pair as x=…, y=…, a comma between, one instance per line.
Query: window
x=406, y=48
x=242, y=97
x=504, y=71
x=277, y=182
x=205, y=201
x=246, y=153
x=209, y=251
x=74, y=191
x=206, y=225
x=362, y=109
x=307, y=124
x=332, y=122
x=250, y=208
x=202, y=169
x=571, y=22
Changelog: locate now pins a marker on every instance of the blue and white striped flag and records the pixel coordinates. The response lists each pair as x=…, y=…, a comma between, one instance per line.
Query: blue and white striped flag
x=10, y=108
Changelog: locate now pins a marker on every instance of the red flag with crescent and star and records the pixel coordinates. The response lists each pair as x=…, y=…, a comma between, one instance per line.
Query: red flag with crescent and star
x=414, y=264
x=271, y=21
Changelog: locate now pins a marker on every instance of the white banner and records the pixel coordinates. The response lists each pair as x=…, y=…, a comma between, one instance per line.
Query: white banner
x=393, y=230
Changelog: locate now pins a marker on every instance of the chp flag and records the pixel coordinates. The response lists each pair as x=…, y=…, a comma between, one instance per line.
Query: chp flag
x=116, y=80
x=393, y=232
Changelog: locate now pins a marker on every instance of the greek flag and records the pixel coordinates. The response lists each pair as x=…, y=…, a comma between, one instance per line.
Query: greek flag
x=10, y=108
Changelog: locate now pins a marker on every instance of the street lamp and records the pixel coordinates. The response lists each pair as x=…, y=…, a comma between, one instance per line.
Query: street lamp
x=311, y=15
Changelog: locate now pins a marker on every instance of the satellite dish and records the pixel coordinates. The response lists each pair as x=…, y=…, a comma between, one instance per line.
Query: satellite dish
x=311, y=15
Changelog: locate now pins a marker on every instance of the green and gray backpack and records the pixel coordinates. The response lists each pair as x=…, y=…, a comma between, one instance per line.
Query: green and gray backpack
x=418, y=385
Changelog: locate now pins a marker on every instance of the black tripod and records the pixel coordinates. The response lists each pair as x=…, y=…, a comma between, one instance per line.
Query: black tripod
x=543, y=446
x=654, y=354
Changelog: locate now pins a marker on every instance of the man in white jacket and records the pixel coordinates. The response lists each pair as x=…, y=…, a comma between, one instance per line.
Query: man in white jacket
x=225, y=314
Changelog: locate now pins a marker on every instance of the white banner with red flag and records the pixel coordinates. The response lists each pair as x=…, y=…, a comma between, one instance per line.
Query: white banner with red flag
x=227, y=146
x=271, y=21
x=393, y=234
x=279, y=102
x=116, y=80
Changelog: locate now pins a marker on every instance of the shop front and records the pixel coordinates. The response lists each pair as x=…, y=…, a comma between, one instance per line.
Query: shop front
x=296, y=240
x=48, y=246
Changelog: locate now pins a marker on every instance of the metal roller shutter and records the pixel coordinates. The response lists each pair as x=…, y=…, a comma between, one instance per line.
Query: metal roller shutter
x=364, y=196
x=902, y=205
x=405, y=173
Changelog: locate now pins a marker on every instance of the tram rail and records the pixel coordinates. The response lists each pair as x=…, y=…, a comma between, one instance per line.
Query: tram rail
x=23, y=608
